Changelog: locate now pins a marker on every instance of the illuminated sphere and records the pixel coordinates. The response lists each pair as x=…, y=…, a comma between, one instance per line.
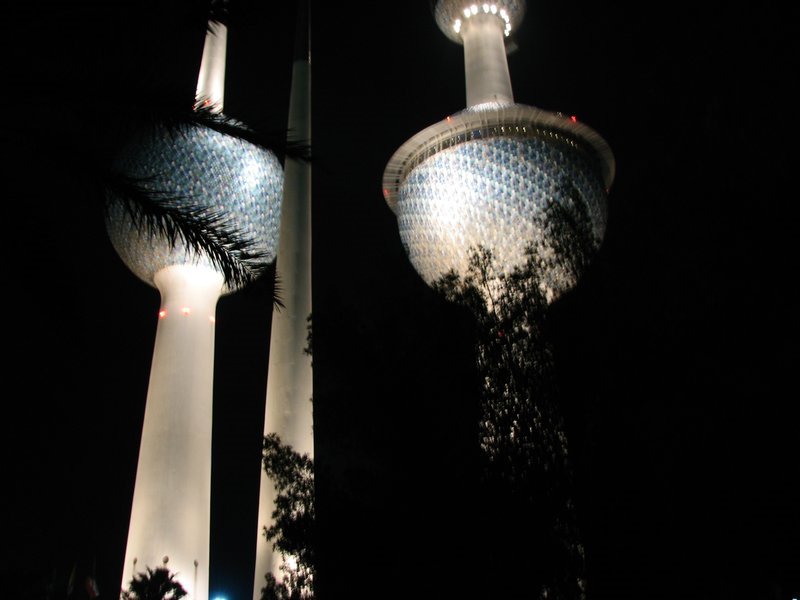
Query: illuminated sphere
x=452, y=14
x=202, y=168
x=490, y=178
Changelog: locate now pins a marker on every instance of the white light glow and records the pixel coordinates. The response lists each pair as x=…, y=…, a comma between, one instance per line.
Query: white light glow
x=186, y=311
x=291, y=563
x=451, y=12
x=486, y=8
x=162, y=314
x=252, y=175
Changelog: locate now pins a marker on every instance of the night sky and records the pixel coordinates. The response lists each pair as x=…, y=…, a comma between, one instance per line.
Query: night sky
x=676, y=353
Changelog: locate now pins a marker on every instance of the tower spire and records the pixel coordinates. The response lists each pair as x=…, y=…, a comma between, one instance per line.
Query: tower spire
x=211, y=79
x=483, y=29
x=289, y=412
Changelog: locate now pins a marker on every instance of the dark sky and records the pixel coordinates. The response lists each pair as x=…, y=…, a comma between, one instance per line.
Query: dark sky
x=677, y=352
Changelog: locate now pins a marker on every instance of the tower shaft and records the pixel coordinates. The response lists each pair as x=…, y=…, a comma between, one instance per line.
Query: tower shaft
x=171, y=511
x=485, y=64
x=211, y=78
x=289, y=411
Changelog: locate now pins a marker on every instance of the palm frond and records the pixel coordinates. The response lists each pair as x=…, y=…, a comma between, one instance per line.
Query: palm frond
x=178, y=219
x=218, y=12
x=277, y=291
x=280, y=141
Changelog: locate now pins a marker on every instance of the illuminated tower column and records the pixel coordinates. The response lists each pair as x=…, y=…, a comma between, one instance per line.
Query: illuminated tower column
x=234, y=188
x=171, y=511
x=289, y=411
x=485, y=65
x=211, y=79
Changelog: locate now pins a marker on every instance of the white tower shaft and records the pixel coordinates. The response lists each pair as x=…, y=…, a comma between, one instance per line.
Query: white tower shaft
x=485, y=63
x=171, y=510
x=211, y=79
x=289, y=411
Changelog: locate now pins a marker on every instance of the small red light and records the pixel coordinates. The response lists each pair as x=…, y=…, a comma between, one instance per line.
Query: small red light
x=574, y=119
x=185, y=310
x=162, y=314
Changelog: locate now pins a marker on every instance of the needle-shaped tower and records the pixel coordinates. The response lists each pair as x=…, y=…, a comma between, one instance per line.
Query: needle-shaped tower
x=289, y=410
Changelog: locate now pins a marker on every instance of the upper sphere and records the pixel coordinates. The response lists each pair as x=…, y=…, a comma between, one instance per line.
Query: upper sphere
x=198, y=169
x=451, y=14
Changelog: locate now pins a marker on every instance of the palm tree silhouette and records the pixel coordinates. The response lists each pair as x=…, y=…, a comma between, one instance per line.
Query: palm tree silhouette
x=154, y=584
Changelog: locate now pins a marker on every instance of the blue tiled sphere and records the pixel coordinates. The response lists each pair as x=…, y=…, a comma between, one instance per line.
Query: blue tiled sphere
x=204, y=168
x=499, y=192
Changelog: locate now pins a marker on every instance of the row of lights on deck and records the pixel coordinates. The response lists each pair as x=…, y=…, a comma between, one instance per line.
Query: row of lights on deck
x=185, y=311
x=487, y=9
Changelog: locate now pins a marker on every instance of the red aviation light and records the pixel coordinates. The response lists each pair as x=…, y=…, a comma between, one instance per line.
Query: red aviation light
x=574, y=119
x=162, y=314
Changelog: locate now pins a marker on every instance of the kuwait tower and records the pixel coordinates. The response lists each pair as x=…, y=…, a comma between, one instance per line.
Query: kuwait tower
x=500, y=207
x=210, y=227
x=485, y=175
x=289, y=410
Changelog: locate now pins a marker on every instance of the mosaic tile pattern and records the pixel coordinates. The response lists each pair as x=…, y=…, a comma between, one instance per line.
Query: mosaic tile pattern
x=218, y=172
x=498, y=193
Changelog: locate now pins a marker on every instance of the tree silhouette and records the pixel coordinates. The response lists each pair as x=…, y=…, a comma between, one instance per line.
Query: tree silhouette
x=530, y=521
x=292, y=532
x=154, y=584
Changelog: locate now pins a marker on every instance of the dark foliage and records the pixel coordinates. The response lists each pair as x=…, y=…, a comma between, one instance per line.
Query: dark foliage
x=309, y=349
x=204, y=114
x=529, y=521
x=293, y=530
x=218, y=12
x=154, y=584
x=160, y=214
